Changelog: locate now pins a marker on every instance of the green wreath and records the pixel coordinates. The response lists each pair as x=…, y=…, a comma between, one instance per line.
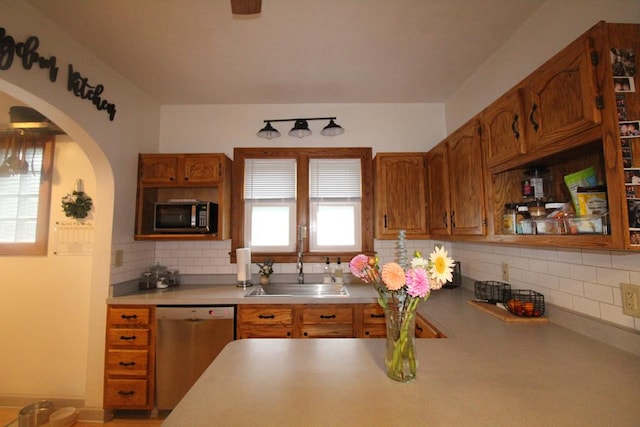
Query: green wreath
x=77, y=205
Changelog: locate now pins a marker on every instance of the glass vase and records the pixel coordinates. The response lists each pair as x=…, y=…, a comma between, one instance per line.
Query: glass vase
x=400, y=356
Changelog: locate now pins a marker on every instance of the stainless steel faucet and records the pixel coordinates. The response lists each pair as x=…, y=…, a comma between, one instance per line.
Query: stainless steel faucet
x=300, y=260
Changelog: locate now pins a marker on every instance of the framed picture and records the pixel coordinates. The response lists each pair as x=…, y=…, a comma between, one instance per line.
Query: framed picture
x=624, y=84
x=623, y=62
x=630, y=129
x=621, y=105
x=634, y=213
x=632, y=176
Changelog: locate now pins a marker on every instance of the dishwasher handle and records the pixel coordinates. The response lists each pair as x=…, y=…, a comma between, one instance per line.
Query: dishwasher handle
x=195, y=312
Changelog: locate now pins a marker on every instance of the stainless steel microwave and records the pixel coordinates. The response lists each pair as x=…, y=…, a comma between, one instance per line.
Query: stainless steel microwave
x=188, y=217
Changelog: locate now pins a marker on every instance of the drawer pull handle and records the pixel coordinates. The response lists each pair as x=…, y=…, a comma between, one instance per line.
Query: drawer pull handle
x=419, y=328
x=514, y=126
x=267, y=316
x=127, y=363
x=126, y=393
x=377, y=316
x=532, y=118
x=329, y=316
x=132, y=337
x=129, y=316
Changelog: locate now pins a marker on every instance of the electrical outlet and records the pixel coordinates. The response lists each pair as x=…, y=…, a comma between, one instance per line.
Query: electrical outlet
x=630, y=299
x=119, y=258
x=505, y=272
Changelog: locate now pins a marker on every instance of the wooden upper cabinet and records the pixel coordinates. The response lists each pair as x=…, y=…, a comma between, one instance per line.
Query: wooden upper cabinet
x=201, y=168
x=561, y=97
x=158, y=169
x=181, y=168
x=438, y=178
x=400, y=195
x=503, y=124
x=466, y=180
x=179, y=176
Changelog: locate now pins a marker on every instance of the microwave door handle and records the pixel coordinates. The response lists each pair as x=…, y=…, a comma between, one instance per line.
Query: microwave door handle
x=194, y=214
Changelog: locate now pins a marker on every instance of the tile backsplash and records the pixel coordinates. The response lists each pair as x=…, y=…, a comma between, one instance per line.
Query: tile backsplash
x=584, y=281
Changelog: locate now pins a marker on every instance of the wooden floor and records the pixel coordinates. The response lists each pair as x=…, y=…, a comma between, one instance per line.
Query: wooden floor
x=8, y=415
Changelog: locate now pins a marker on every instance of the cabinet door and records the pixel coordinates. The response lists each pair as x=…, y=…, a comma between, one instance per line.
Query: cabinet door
x=400, y=195
x=465, y=180
x=158, y=169
x=561, y=97
x=438, y=177
x=201, y=169
x=503, y=124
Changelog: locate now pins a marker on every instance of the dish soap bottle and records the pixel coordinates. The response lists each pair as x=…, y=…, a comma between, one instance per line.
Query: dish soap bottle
x=339, y=273
x=327, y=271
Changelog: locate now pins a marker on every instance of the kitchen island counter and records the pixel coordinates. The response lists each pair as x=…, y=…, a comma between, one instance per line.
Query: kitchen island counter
x=486, y=373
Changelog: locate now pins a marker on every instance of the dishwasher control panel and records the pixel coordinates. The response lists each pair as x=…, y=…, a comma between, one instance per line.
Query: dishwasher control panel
x=195, y=312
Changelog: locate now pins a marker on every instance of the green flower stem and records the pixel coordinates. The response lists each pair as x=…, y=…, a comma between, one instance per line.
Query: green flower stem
x=402, y=350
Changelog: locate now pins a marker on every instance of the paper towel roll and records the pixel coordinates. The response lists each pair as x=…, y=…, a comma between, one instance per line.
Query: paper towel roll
x=243, y=262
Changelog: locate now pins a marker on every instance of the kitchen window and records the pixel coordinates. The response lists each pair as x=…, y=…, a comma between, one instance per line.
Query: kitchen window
x=326, y=191
x=25, y=192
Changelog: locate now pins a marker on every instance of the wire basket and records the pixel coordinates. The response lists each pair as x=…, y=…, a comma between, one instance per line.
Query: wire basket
x=492, y=292
x=524, y=303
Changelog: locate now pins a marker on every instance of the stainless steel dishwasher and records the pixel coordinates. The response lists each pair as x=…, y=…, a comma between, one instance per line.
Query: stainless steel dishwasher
x=189, y=338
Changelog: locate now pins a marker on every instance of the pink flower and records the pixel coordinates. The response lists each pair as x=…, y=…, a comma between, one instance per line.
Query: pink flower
x=393, y=276
x=418, y=283
x=359, y=265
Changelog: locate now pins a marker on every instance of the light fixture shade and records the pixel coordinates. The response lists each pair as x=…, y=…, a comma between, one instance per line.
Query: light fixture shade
x=268, y=132
x=300, y=129
x=332, y=129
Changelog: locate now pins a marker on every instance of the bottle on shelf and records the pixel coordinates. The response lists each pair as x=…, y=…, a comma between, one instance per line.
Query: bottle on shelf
x=327, y=271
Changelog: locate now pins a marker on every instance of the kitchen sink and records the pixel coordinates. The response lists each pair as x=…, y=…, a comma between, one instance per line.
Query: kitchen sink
x=312, y=290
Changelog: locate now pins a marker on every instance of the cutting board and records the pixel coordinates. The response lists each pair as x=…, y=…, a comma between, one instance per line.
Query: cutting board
x=504, y=315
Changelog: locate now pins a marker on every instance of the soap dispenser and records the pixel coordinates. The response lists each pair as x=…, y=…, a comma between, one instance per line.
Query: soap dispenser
x=339, y=273
x=327, y=271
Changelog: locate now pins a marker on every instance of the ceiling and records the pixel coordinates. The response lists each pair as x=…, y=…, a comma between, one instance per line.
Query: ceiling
x=294, y=51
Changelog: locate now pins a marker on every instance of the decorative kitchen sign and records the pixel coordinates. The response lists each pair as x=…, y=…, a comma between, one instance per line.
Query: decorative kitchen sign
x=73, y=238
x=26, y=53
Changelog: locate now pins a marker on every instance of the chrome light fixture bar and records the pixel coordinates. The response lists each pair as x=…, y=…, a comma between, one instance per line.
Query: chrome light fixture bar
x=300, y=128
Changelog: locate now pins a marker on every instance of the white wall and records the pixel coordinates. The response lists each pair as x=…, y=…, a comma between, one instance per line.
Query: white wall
x=220, y=128
x=586, y=282
x=55, y=323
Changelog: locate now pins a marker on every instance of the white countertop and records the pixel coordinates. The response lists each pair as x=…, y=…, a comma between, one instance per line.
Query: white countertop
x=231, y=294
x=486, y=373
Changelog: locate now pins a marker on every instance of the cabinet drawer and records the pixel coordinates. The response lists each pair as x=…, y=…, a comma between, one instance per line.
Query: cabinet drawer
x=130, y=316
x=373, y=314
x=128, y=337
x=334, y=330
x=424, y=329
x=127, y=362
x=323, y=314
x=265, y=331
x=265, y=314
x=126, y=393
x=374, y=331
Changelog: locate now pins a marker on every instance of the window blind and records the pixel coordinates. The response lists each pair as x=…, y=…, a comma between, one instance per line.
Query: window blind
x=270, y=179
x=335, y=179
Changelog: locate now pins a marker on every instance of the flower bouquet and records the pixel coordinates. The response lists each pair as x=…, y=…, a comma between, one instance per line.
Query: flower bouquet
x=401, y=286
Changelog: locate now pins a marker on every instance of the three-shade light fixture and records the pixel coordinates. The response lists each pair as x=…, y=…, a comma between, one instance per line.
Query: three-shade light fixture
x=300, y=128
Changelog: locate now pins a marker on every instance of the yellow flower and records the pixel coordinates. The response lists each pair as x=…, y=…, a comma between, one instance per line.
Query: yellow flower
x=393, y=276
x=441, y=267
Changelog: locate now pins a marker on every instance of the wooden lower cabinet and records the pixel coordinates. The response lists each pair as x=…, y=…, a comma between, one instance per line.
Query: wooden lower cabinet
x=319, y=321
x=130, y=357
